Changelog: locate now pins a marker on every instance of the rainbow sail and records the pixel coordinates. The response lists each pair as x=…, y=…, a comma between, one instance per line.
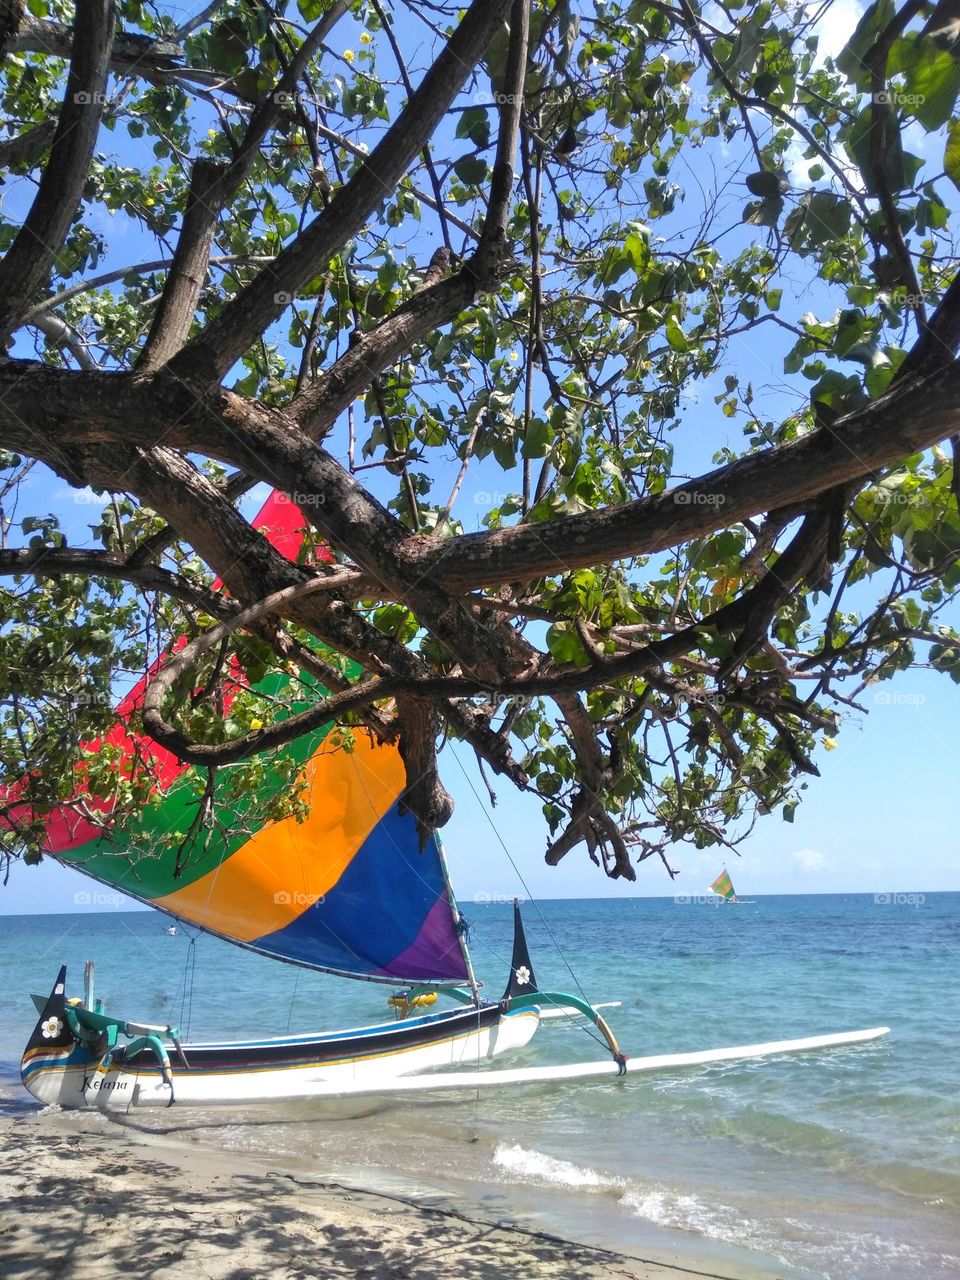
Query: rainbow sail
x=723, y=887
x=348, y=890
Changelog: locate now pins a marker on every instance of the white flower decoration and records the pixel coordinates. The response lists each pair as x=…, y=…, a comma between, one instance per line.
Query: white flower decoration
x=51, y=1028
x=522, y=975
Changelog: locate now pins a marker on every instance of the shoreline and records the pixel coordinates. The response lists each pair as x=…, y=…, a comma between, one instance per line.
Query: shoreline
x=117, y=1200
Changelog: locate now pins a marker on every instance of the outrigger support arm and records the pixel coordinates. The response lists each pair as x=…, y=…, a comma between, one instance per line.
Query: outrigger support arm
x=103, y=1032
x=522, y=991
x=561, y=1000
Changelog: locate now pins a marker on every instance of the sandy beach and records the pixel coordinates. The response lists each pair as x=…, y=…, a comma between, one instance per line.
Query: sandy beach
x=82, y=1201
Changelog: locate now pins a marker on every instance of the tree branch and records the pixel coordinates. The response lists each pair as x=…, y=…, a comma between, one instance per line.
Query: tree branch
x=27, y=263
x=138, y=268
x=435, y=302
x=188, y=270
x=244, y=318
x=493, y=239
x=84, y=409
x=51, y=562
x=912, y=416
x=251, y=569
x=211, y=186
x=29, y=147
x=129, y=54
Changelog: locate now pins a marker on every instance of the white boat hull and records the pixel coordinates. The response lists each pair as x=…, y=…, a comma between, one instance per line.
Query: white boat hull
x=111, y=1088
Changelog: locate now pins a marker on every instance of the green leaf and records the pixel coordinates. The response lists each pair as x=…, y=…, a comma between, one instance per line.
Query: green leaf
x=763, y=213
x=538, y=438
x=549, y=784
x=951, y=157
x=766, y=183
x=676, y=337
x=932, y=80
x=474, y=123
x=852, y=58
x=828, y=217
x=471, y=170
x=564, y=644
x=893, y=171
x=229, y=45
x=637, y=245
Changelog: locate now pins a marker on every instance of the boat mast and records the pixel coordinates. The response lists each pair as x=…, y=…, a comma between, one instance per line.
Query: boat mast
x=458, y=921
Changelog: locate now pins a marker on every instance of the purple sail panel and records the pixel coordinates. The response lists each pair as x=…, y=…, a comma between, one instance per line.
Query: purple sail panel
x=437, y=938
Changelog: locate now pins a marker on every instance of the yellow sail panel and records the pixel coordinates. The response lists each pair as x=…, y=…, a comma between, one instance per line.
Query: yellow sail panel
x=292, y=864
x=723, y=886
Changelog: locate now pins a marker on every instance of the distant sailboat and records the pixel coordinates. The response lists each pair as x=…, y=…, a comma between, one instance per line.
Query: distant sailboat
x=723, y=888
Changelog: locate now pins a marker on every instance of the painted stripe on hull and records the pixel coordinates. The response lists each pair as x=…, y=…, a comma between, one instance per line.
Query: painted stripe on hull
x=331, y=1049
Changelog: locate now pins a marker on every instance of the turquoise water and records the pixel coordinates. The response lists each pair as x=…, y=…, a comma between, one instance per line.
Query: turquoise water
x=839, y=1163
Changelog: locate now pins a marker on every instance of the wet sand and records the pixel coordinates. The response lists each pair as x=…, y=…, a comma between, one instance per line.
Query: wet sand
x=85, y=1201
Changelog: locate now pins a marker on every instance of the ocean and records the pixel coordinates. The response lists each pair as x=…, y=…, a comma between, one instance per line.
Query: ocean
x=840, y=1163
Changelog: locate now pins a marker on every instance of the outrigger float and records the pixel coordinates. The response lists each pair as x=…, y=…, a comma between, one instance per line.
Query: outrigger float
x=354, y=889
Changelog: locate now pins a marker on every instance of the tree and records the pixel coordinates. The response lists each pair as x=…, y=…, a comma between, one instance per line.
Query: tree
x=370, y=254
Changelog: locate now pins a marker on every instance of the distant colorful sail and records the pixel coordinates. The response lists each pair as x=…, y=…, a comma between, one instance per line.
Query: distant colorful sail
x=723, y=886
x=348, y=890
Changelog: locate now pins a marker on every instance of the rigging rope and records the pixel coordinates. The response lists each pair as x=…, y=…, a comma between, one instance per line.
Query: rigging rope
x=293, y=998
x=187, y=985
x=519, y=876
x=585, y=1026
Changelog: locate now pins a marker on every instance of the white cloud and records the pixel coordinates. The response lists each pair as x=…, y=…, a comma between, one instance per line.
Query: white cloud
x=837, y=27
x=811, y=860
x=81, y=497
